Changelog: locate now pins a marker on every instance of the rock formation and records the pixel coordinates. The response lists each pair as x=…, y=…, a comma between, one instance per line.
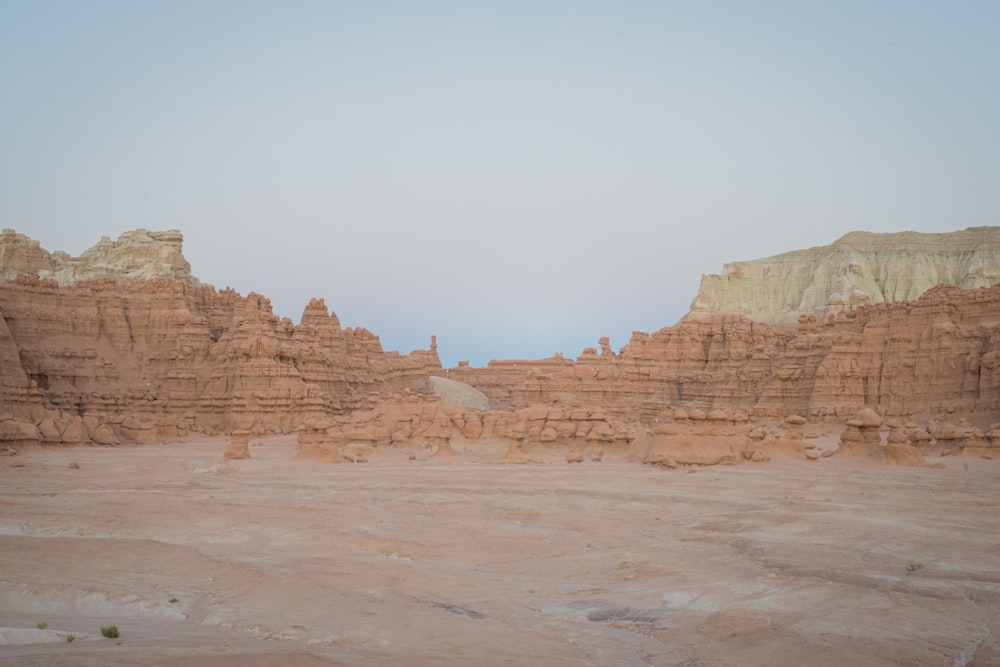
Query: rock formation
x=139, y=254
x=422, y=420
x=239, y=446
x=859, y=269
x=124, y=344
x=934, y=356
x=862, y=438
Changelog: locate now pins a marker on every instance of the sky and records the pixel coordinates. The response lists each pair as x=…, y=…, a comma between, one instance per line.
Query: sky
x=516, y=178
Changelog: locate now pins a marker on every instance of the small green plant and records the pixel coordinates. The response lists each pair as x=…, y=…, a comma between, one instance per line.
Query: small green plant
x=173, y=600
x=912, y=567
x=70, y=639
x=42, y=626
x=110, y=631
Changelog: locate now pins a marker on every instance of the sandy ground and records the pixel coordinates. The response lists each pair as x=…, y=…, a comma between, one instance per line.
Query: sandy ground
x=276, y=560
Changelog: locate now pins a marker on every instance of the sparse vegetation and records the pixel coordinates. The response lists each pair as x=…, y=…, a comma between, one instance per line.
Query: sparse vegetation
x=627, y=568
x=389, y=553
x=913, y=567
x=70, y=639
x=42, y=626
x=110, y=631
x=173, y=600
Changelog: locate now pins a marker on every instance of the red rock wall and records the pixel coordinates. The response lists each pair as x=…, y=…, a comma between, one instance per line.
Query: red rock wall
x=173, y=355
x=18, y=394
x=148, y=352
x=936, y=355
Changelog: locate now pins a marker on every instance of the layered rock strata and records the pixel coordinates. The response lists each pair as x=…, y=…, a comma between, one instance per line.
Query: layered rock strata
x=934, y=356
x=427, y=426
x=139, y=254
x=147, y=352
x=859, y=269
x=125, y=345
x=862, y=438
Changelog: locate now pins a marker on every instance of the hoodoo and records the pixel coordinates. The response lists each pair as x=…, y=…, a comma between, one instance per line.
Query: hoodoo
x=124, y=344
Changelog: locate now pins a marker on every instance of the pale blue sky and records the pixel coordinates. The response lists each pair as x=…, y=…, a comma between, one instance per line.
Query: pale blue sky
x=518, y=178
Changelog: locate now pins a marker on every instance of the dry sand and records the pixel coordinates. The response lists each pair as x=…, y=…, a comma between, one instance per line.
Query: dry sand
x=280, y=561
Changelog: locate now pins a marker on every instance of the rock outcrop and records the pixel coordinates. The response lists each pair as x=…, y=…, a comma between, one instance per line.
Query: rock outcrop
x=457, y=393
x=139, y=254
x=124, y=344
x=125, y=340
x=859, y=269
x=425, y=422
x=239, y=446
x=937, y=355
x=862, y=438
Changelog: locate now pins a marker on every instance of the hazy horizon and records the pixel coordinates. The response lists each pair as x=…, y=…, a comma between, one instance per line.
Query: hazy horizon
x=518, y=179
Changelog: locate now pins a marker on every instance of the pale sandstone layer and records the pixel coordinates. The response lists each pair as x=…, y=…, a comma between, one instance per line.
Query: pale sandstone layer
x=139, y=253
x=858, y=269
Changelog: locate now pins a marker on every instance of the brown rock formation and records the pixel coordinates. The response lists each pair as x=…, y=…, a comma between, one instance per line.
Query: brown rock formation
x=315, y=441
x=862, y=438
x=18, y=433
x=124, y=345
x=936, y=355
x=239, y=446
x=127, y=340
x=430, y=424
x=19, y=395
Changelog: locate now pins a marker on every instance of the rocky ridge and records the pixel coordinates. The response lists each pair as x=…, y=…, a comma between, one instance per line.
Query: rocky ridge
x=150, y=353
x=859, y=269
x=138, y=254
x=125, y=345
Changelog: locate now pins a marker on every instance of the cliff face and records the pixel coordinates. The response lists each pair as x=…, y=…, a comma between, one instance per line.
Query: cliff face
x=125, y=345
x=936, y=355
x=130, y=344
x=138, y=254
x=858, y=269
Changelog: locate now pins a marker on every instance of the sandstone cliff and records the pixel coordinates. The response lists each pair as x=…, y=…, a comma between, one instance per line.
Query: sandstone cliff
x=937, y=355
x=127, y=342
x=137, y=254
x=858, y=269
x=125, y=345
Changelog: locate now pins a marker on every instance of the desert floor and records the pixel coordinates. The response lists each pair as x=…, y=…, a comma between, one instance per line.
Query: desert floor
x=457, y=561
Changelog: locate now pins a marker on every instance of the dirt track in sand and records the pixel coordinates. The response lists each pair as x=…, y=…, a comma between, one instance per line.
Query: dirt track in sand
x=275, y=560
